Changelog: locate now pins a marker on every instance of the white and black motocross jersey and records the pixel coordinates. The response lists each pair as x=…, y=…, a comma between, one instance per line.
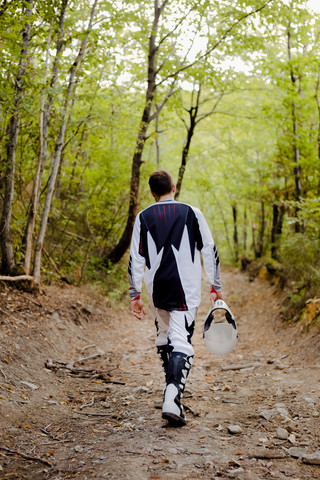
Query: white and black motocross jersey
x=165, y=249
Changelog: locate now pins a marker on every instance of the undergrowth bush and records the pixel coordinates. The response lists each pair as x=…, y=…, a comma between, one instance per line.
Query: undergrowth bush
x=111, y=281
x=300, y=258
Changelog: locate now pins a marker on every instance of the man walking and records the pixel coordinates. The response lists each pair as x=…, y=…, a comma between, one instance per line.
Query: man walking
x=167, y=239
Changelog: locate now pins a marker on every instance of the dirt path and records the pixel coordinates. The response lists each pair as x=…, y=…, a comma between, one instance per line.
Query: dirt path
x=106, y=425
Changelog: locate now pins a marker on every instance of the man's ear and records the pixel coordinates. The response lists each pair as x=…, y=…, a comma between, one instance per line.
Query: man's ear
x=173, y=188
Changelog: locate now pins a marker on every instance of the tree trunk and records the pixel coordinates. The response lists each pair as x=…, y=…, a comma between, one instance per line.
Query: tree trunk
x=225, y=224
x=245, y=233
x=8, y=262
x=193, y=112
x=58, y=151
x=117, y=253
x=55, y=70
x=235, y=233
x=119, y=250
x=194, y=119
x=34, y=197
x=297, y=168
x=45, y=110
x=254, y=242
x=157, y=140
x=244, y=259
x=259, y=249
x=277, y=222
x=185, y=151
x=295, y=144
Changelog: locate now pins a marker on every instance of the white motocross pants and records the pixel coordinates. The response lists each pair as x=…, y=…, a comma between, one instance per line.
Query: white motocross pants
x=175, y=329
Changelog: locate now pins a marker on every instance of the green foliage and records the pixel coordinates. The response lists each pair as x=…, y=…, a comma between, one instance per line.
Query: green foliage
x=112, y=281
x=242, y=157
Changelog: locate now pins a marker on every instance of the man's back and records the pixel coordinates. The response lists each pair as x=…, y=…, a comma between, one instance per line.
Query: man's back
x=170, y=240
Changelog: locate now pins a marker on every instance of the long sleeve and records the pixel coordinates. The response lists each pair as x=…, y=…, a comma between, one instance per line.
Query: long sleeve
x=136, y=261
x=211, y=261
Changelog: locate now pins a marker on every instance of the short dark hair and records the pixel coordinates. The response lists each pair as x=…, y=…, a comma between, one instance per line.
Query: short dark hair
x=161, y=182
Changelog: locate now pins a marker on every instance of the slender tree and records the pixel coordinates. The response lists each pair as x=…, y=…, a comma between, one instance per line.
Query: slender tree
x=295, y=132
x=36, y=183
x=58, y=149
x=235, y=232
x=277, y=223
x=195, y=117
x=8, y=264
x=45, y=112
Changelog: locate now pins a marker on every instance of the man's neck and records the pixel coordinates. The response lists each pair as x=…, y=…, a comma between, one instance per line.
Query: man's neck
x=167, y=196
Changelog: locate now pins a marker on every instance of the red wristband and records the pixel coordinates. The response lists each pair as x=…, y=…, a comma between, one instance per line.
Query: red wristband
x=136, y=298
x=213, y=290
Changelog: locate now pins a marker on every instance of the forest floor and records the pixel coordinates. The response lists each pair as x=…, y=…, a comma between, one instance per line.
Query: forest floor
x=64, y=415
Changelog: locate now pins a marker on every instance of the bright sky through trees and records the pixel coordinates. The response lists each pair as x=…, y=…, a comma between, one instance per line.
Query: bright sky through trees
x=314, y=5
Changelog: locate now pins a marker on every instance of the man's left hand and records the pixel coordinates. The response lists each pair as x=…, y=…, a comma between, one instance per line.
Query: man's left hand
x=214, y=296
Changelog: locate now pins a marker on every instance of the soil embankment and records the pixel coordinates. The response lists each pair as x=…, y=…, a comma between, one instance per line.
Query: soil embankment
x=80, y=385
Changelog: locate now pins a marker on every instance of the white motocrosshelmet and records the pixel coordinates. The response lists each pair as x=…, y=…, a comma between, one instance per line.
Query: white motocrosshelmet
x=220, y=338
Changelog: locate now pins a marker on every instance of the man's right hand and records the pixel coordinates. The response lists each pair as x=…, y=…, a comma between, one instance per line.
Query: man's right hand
x=138, y=309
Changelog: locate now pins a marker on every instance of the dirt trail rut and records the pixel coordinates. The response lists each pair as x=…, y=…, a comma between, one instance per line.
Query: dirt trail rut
x=94, y=415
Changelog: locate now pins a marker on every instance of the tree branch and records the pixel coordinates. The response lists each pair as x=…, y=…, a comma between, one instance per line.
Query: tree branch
x=3, y=7
x=175, y=28
x=5, y=278
x=165, y=60
x=162, y=104
x=27, y=457
x=205, y=115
